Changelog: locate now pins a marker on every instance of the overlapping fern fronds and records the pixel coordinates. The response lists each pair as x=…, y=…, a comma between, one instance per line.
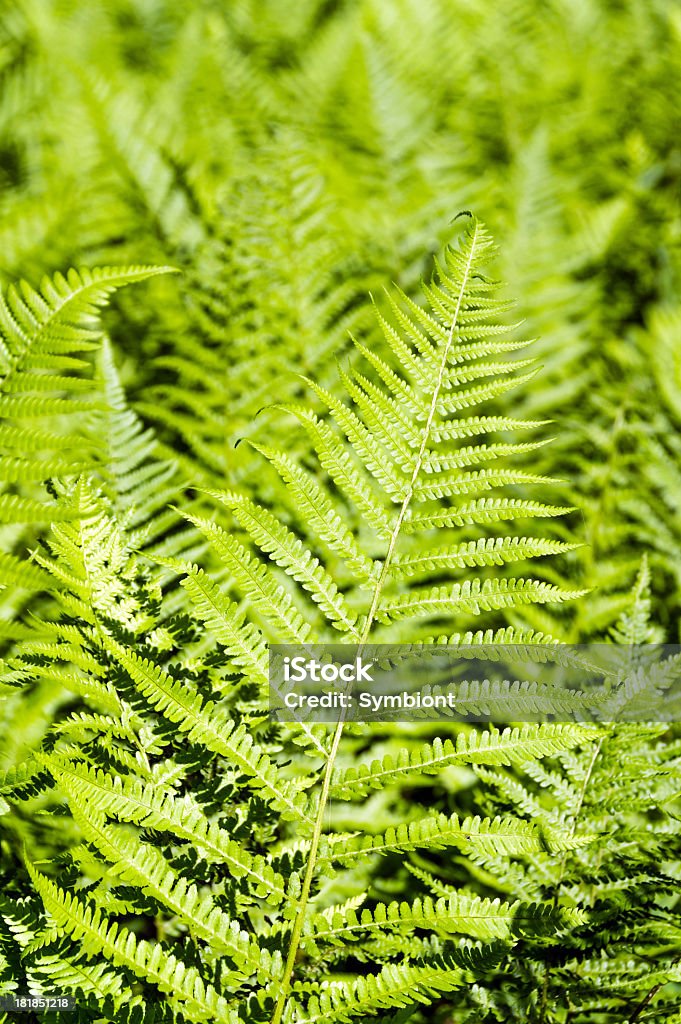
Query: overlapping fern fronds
x=157, y=829
x=285, y=229
x=43, y=335
x=403, y=456
x=418, y=468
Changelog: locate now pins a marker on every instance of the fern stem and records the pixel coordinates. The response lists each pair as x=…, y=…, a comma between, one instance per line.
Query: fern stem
x=380, y=583
x=581, y=797
x=299, y=921
x=648, y=998
x=297, y=932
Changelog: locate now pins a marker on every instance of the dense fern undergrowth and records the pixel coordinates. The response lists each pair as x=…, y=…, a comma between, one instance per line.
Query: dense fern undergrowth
x=300, y=396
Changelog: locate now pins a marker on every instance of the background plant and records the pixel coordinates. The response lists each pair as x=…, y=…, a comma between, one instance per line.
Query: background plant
x=291, y=163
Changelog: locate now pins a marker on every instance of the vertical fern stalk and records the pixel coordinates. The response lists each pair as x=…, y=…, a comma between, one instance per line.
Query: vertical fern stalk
x=470, y=258
x=375, y=602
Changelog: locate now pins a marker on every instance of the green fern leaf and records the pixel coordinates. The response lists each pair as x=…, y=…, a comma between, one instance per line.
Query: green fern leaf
x=39, y=332
x=508, y=837
x=129, y=799
x=490, y=747
x=204, y=724
x=200, y=1001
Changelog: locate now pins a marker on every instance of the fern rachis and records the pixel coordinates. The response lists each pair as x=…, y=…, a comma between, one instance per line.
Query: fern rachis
x=376, y=597
x=430, y=360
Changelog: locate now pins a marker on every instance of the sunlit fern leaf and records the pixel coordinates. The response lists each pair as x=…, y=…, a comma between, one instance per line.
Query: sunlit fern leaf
x=145, y=867
x=43, y=336
x=97, y=579
x=397, y=985
x=79, y=975
x=460, y=914
x=147, y=805
x=206, y=725
x=480, y=836
x=393, y=454
x=493, y=747
x=394, y=470
x=199, y=999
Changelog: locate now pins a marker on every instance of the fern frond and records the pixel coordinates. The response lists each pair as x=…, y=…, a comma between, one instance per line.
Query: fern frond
x=320, y=516
x=80, y=976
x=461, y=914
x=482, y=511
x=203, y=723
x=289, y=552
x=384, y=460
x=508, y=837
x=17, y=572
x=75, y=917
x=144, y=866
x=485, y=551
x=397, y=985
x=39, y=332
x=140, y=484
x=129, y=799
x=473, y=597
x=242, y=640
x=485, y=748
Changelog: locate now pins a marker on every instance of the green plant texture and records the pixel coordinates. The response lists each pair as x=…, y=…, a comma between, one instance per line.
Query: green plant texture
x=336, y=321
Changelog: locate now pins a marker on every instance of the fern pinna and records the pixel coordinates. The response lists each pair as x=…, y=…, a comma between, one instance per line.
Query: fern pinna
x=174, y=855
